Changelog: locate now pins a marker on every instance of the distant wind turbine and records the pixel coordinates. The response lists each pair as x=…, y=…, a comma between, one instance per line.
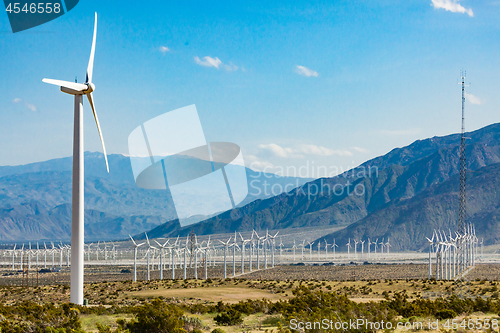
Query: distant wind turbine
x=135, y=256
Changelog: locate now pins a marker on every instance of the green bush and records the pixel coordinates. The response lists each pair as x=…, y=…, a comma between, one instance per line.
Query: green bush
x=218, y=330
x=445, y=314
x=157, y=317
x=229, y=318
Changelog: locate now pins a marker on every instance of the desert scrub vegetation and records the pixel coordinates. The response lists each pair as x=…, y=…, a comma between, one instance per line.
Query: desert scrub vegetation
x=309, y=303
x=28, y=317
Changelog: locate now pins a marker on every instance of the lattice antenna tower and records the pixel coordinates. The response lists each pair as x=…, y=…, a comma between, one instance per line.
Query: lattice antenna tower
x=462, y=209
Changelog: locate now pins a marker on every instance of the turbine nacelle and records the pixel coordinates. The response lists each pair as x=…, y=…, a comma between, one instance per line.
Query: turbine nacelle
x=89, y=87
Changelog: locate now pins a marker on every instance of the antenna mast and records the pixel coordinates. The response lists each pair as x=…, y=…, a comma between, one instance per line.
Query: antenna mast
x=462, y=210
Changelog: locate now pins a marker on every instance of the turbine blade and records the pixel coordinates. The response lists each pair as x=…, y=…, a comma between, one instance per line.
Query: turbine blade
x=90, y=67
x=67, y=84
x=91, y=101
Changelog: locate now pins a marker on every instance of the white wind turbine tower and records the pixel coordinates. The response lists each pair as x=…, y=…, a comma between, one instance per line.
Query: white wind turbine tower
x=37, y=254
x=226, y=245
x=375, y=246
x=362, y=248
x=348, y=248
x=281, y=249
x=13, y=257
x=482, y=241
x=243, y=243
x=77, y=208
x=250, y=252
x=88, y=251
x=326, y=249
x=273, y=245
x=259, y=239
x=264, y=247
x=162, y=247
x=356, y=249
x=45, y=256
x=333, y=247
x=207, y=250
x=29, y=256
x=234, y=245
x=431, y=243
x=311, y=251
x=369, y=244
x=135, y=256
x=147, y=256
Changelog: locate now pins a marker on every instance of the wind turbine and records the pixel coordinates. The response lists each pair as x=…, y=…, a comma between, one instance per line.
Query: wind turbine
x=147, y=256
x=273, y=245
x=281, y=249
x=135, y=256
x=348, y=248
x=326, y=249
x=310, y=251
x=369, y=244
x=243, y=243
x=77, y=208
x=162, y=247
x=226, y=245
x=333, y=247
x=356, y=249
x=431, y=243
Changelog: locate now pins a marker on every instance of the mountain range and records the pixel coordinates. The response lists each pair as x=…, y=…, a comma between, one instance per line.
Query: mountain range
x=402, y=196
x=35, y=199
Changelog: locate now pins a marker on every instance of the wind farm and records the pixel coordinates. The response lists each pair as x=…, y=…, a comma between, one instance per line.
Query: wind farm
x=268, y=167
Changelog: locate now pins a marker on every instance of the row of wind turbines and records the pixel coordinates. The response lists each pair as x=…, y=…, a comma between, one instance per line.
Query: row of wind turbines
x=205, y=253
x=383, y=245
x=252, y=253
x=29, y=256
x=454, y=256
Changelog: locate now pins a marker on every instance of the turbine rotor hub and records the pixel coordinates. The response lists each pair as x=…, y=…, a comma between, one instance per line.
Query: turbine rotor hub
x=91, y=88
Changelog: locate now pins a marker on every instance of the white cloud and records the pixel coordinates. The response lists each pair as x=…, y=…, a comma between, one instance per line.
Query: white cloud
x=217, y=63
x=304, y=71
x=164, y=49
x=230, y=67
x=278, y=150
x=302, y=150
x=473, y=99
x=31, y=107
x=322, y=151
x=411, y=131
x=360, y=150
x=256, y=163
x=26, y=104
x=452, y=6
x=208, y=62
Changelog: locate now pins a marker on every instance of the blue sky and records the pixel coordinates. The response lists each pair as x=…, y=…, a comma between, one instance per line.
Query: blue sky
x=293, y=83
